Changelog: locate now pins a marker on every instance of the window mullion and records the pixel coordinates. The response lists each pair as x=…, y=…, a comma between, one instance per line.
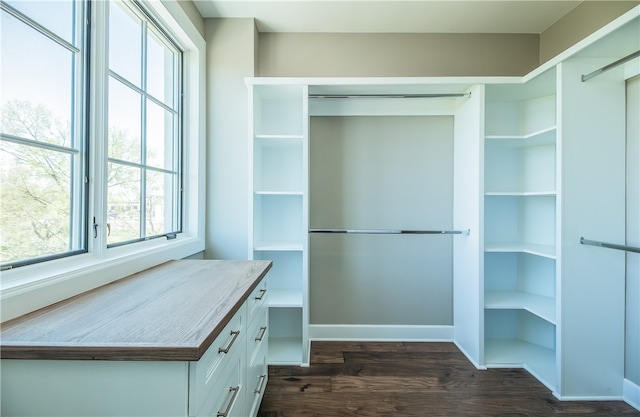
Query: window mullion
x=79, y=224
x=143, y=136
x=98, y=104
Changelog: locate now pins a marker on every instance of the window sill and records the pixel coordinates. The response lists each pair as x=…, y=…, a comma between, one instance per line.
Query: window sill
x=36, y=286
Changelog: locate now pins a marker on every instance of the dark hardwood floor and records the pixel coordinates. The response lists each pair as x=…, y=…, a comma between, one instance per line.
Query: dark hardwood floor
x=412, y=379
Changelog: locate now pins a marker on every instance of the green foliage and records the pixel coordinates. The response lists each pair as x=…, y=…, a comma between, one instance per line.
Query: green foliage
x=35, y=193
x=36, y=203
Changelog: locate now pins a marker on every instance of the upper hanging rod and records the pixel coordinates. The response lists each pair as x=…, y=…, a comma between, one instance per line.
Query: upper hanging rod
x=392, y=232
x=443, y=95
x=584, y=241
x=610, y=66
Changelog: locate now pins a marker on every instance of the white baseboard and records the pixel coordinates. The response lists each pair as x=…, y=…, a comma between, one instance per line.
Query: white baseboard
x=380, y=333
x=469, y=357
x=631, y=394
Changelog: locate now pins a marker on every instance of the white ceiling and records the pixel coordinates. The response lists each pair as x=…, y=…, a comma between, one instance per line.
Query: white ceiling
x=399, y=16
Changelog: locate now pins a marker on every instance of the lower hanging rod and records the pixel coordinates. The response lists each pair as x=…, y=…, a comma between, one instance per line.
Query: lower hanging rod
x=627, y=248
x=611, y=66
x=392, y=231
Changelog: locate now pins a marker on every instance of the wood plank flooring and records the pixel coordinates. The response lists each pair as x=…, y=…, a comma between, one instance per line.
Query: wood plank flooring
x=412, y=379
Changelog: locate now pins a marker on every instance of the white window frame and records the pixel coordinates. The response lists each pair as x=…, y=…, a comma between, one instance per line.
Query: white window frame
x=35, y=286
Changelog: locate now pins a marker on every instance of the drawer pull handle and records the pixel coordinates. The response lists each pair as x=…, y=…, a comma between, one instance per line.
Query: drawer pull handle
x=263, y=379
x=264, y=330
x=262, y=293
x=235, y=336
x=235, y=391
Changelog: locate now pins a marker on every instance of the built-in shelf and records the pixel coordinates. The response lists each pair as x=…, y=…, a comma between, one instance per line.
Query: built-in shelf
x=276, y=138
x=547, y=251
x=277, y=246
x=541, y=306
x=285, y=350
x=520, y=193
x=545, y=136
x=508, y=353
x=276, y=193
x=285, y=298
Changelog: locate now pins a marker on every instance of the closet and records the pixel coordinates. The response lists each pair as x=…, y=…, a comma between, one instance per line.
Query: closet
x=531, y=168
x=520, y=206
x=278, y=214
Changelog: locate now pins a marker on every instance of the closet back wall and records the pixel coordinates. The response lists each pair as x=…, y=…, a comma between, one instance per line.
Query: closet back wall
x=395, y=54
x=390, y=172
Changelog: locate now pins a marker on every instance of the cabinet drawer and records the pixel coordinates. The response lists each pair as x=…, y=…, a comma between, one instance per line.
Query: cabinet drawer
x=258, y=333
x=227, y=394
x=204, y=373
x=257, y=300
x=257, y=377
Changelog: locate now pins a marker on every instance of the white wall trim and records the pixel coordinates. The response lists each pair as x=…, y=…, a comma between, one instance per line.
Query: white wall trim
x=469, y=357
x=587, y=397
x=387, y=333
x=631, y=393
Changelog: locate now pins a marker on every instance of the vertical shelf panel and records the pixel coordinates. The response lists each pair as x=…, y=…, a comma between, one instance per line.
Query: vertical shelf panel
x=279, y=223
x=520, y=213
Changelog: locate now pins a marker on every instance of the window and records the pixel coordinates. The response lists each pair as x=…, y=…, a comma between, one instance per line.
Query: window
x=143, y=198
x=165, y=161
x=47, y=146
x=43, y=162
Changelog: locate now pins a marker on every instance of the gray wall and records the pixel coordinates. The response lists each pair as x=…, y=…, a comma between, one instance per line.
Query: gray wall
x=395, y=55
x=193, y=14
x=230, y=58
x=582, y=21
x=366, y=175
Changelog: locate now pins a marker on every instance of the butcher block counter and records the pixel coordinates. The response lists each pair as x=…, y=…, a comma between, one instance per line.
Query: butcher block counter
x=171, y=340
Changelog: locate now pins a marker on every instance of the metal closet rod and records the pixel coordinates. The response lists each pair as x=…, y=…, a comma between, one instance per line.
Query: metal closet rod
x=627, y=248
x=392, y=231
x=443, y=95
x=610, y=66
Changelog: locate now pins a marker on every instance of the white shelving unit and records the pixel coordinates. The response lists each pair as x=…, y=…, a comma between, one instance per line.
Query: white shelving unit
x=520, y=240
x=278, y=215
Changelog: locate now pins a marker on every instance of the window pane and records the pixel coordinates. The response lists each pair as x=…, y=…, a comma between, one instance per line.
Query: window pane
x=160, y=140
x=125, y=43
x=160, y=70
x=123, y=203
x=57, y=16
x=35, y=201
x=161, y=203
x=37, y=85
x=124, y=122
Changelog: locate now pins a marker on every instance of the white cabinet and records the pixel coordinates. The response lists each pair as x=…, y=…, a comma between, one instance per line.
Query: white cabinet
x=278, y=218
x=257, y=347
x=520, y=227
x=136, y=357
x=217, y=380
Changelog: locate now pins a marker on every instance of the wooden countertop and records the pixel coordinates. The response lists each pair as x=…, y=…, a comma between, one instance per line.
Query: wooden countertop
x=172, y=312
